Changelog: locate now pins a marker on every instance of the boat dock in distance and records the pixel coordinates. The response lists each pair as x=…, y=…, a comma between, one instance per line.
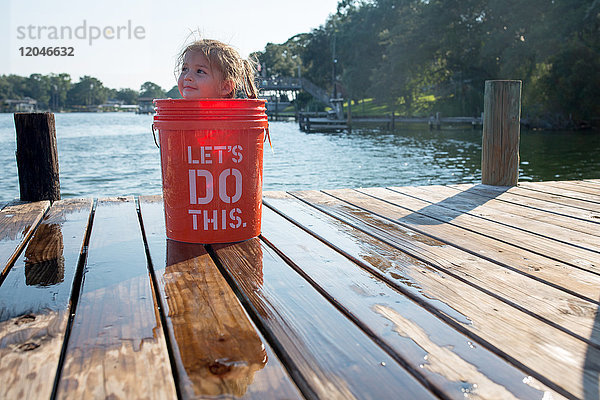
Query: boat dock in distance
x=323, y=122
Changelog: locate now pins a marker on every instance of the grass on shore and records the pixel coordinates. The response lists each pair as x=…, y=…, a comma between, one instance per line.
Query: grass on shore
x=371, y=108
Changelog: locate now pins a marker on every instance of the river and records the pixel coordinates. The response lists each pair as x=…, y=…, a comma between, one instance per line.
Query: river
x=113, y=154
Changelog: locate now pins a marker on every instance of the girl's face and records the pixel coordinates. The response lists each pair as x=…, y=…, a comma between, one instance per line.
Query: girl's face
x=199, y=81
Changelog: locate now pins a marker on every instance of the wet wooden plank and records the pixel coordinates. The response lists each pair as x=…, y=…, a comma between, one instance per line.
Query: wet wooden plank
x=560, y=189
x=515, y=256
x=518, y=289
x=412, y=210
x=331, y=356
x=116, y=348
x=514, y=196
x=34, y=302
x=516, y=334
x=557, y=227
x=595, y=182
x=591, y=191
x=447, y=359
x=17, y=223
x=217, y=348
x=587, y=183
x=527, y=193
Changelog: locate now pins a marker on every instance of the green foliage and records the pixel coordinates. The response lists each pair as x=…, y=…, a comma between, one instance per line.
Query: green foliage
x=59, y=88
x=413, y=57
x=567, y=85
x=12, y=87
x=401, y=52
x=151, y=90
x=127, y=96
x=305, y=101
x=280, y=59
x=88, y=91
x=37, y=87
x=56, y=92
x=173, y=93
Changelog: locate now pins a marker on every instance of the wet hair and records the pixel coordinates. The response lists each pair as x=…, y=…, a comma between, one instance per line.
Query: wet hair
x=227, y=60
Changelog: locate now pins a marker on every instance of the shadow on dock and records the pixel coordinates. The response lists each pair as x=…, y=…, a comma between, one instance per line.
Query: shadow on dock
x=452, y=207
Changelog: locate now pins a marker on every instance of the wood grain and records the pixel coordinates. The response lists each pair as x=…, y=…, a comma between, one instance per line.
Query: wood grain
x=588, y=190
x=116, y=347
x=573, y=314
x=514, y=256
x=557, y=227
x=530, y=193
x=37, y=156
x=434, y=217
x=34, y=302
x=217, y=349
x=501, y=133
x=431, y=348
x=556, y=356
x=17, y=223
x=333, y=357
x=564, y=190
x=514, y=196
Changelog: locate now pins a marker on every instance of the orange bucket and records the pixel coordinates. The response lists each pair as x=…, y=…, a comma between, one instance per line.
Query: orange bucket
x=211, y=154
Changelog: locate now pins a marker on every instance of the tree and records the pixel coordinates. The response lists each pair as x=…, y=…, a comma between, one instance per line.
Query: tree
x=127, y=96
x=59, y=87
x=12, y=87
x=358, y=47
x=173, y=93
x=88, y=91
x=38, y=87
x=280, y=59
x=151, y=90
x=572, y=84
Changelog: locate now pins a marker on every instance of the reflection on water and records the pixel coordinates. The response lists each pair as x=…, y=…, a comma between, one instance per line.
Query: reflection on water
x=219, y=348
x=44, y=261
x=113, y=154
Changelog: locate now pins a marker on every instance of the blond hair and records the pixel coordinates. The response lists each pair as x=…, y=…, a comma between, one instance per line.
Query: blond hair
x=227, y=60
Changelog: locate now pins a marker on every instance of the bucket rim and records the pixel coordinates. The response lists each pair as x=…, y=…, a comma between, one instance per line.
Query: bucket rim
x=213, y=124
x=194, y=103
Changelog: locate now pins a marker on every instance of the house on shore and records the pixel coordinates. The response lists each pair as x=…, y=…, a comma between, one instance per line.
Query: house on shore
x=26, y=104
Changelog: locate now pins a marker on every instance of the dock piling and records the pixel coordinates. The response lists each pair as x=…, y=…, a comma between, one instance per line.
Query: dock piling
x=37, y=156
x=501, y=133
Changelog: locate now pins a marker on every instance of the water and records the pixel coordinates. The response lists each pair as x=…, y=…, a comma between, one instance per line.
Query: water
x=113, y=154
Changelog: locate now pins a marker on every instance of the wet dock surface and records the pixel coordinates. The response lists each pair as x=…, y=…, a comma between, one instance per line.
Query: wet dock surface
x=462, y=291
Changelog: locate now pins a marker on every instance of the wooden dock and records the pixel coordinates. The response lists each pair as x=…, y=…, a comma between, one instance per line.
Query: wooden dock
x=319, y=122
x=461, y=291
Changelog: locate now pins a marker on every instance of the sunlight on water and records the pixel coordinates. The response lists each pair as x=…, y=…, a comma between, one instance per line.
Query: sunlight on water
x=113, y=154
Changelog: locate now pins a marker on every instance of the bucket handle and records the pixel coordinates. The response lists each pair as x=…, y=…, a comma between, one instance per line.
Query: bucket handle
x=154, y=136
x=268, y=136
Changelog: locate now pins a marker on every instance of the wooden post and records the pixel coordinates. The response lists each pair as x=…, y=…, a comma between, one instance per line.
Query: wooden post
x=501, y=133
x=349, y=119
x=37, y=157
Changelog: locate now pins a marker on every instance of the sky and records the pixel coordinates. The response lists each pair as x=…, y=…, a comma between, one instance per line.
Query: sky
x=125, y=43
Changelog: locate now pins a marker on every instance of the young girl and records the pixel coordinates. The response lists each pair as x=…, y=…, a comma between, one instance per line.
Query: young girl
x=211, y=69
